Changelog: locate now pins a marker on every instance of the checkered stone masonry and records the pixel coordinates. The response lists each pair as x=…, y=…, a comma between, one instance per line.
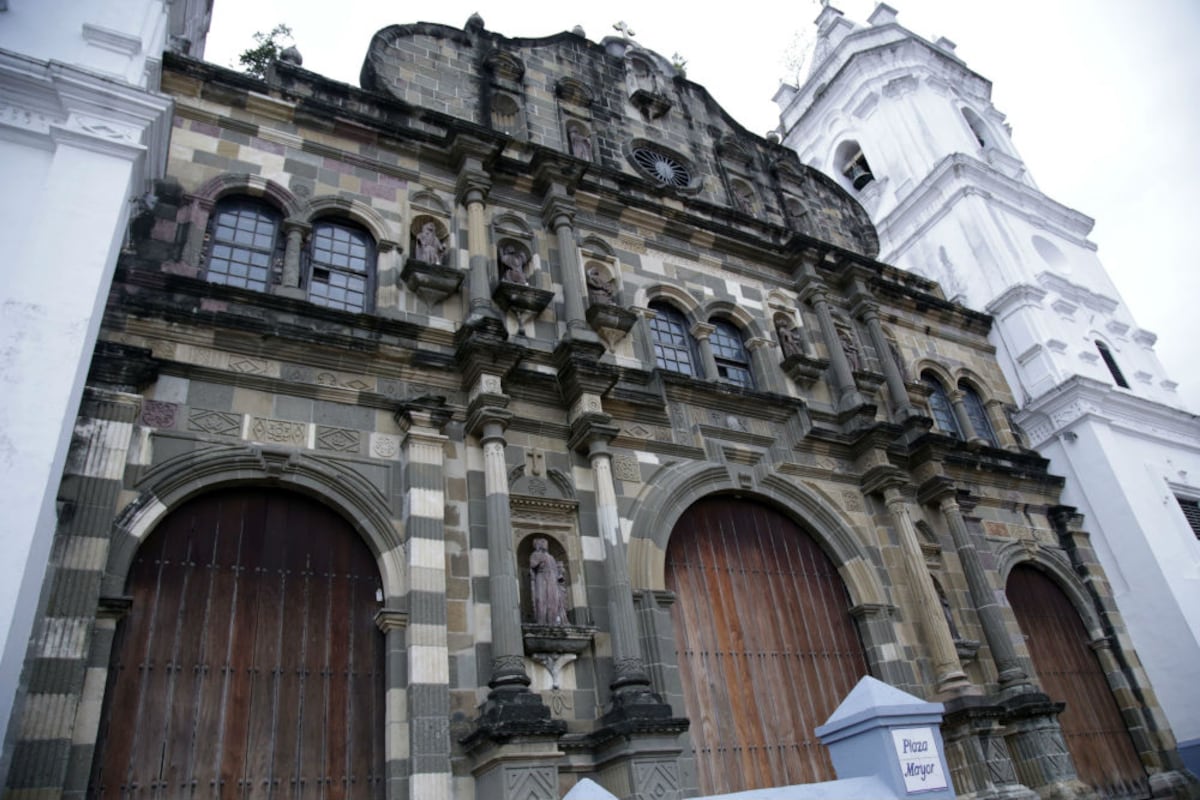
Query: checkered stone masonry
x=58, y=727
x=428, y=657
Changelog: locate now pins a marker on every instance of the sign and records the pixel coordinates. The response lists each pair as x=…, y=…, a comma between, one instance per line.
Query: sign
x=920, y=761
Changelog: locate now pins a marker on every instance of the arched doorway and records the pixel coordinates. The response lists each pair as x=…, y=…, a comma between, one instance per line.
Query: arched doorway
x=1069, y=672
x=249, y=664
x=766, y=646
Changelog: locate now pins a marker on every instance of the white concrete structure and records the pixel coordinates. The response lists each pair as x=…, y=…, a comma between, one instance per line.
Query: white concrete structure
x=904, y=124
x=83, y=133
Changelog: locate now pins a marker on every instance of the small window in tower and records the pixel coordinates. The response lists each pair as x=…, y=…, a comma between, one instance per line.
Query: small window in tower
x=1111, y=363
x=853, y=164
x=1191, y=510
x=976, y=125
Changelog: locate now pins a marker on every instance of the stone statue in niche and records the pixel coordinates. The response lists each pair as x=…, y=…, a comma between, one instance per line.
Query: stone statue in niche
x=548, y=586
x=850, y=349
x=600, y=287
x=514, y=259
x=581, y=143
x=429, y=248
x=790, y=338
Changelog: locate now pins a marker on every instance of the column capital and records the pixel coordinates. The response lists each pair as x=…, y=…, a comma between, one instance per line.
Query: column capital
x=886, y=480
x=702, y=330
x=391, y=619
x=429, y=411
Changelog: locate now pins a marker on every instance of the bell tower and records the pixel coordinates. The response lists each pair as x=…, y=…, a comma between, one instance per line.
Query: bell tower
x=910, y=130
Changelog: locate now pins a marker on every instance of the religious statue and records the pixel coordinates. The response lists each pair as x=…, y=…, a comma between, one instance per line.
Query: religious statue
x=600, y=288
x=789, y=338
x=547, y=585
x=850, y=349
x=514, y=259
x=430, y=248
x=581, y=143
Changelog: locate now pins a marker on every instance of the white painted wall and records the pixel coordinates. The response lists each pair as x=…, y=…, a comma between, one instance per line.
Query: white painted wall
x=83, y=131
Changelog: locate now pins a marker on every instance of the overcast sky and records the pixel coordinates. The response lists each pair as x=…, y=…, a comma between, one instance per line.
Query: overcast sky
x=1102, y=96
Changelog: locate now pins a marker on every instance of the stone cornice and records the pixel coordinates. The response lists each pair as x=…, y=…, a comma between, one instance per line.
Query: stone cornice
x=957, y=176
x=1080, y=398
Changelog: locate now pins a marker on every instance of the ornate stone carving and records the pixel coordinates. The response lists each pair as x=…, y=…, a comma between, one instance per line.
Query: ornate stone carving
x=342, y=440
x=547, y=586
x=279, y=431
x=219, y=423
x=157, y=414
x=626, y=467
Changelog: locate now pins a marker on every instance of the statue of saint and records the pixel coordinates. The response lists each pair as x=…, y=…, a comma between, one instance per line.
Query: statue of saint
x=547, y=585
x=789, y=339
x=430, y=248
x=581, y=143
x=600, y=288
x=513, y=258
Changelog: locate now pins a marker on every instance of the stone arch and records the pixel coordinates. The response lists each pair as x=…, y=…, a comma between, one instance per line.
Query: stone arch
x=355, y=210
x=178, y=479
x=664, y=499
x=972, y=379
x=595, y=247
x=735, y=314
x=576, y=92
x=429, y=201
x=1056, y=566
x=511, y=225
x=667, y=293
x=253, y=185
x=936, y=369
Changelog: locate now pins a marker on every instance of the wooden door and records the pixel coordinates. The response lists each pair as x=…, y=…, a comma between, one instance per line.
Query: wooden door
x=765, y=644
x=249, y=665
x=1069, y=672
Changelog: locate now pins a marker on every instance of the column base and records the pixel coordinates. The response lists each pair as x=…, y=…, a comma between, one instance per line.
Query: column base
x=508, y=714
x=523, y=768
x=978, y=756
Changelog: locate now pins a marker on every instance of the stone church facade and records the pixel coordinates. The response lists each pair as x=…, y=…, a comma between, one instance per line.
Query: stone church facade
x=386, y=371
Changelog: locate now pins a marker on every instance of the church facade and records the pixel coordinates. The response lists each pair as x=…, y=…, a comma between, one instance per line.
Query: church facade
x=906, y=127
x=519, y=418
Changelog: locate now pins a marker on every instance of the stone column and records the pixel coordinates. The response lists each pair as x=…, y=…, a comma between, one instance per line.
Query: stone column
x=629, y=671
x=398, y=733
x=949, y=672
x=294, y=230
x=558, y=212
x=473, y=186
x=845, y=389
x=708, y=362
x=983, y=596
x=508, y=663
x=428, y=659
x=902, y=408
x=956, y=396
x=510, y=707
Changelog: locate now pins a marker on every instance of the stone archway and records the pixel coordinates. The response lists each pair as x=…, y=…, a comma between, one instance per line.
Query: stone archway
x=249, y=663
x=765, y=643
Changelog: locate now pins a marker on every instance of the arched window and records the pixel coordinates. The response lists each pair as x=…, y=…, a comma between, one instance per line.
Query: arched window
x=977, y=414
x=978, y=129
x=244, y=243
x=1111, y=363
x=340, y=266
x=851, y=162
x=673, y=346
x=733, y=363
x=940, y=408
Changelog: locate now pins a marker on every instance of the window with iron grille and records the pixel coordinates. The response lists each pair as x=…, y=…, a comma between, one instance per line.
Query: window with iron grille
x=673, y=346
x=977, y=414
x=733, y=364
x=940, y=408
x=1191, y=510
x=244, y=243
x=340, y=266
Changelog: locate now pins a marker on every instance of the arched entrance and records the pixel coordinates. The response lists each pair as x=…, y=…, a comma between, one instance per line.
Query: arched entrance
x=249, y=664
x=1069, y=672
x=765, y=644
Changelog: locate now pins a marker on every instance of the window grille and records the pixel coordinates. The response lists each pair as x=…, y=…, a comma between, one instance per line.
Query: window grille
x=1111, y=363
x=977, y=414
x=1191, y=510
x=939, y=406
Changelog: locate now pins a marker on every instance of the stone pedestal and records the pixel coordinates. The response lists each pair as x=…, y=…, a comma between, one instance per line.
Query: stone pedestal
x=521, y=768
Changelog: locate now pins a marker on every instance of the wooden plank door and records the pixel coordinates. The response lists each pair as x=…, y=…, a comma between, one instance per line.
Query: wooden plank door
x=1069, y=672
x=765, y=644
x=249, y=665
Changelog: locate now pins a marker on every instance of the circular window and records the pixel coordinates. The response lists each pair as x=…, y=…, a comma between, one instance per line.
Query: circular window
x=661, y=167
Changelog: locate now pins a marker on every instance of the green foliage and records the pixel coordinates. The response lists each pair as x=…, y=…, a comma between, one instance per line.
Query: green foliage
x=680, y=65
x=267, y=48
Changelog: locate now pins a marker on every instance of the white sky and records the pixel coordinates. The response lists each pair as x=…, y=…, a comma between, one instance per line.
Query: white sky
x=1103, y=97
